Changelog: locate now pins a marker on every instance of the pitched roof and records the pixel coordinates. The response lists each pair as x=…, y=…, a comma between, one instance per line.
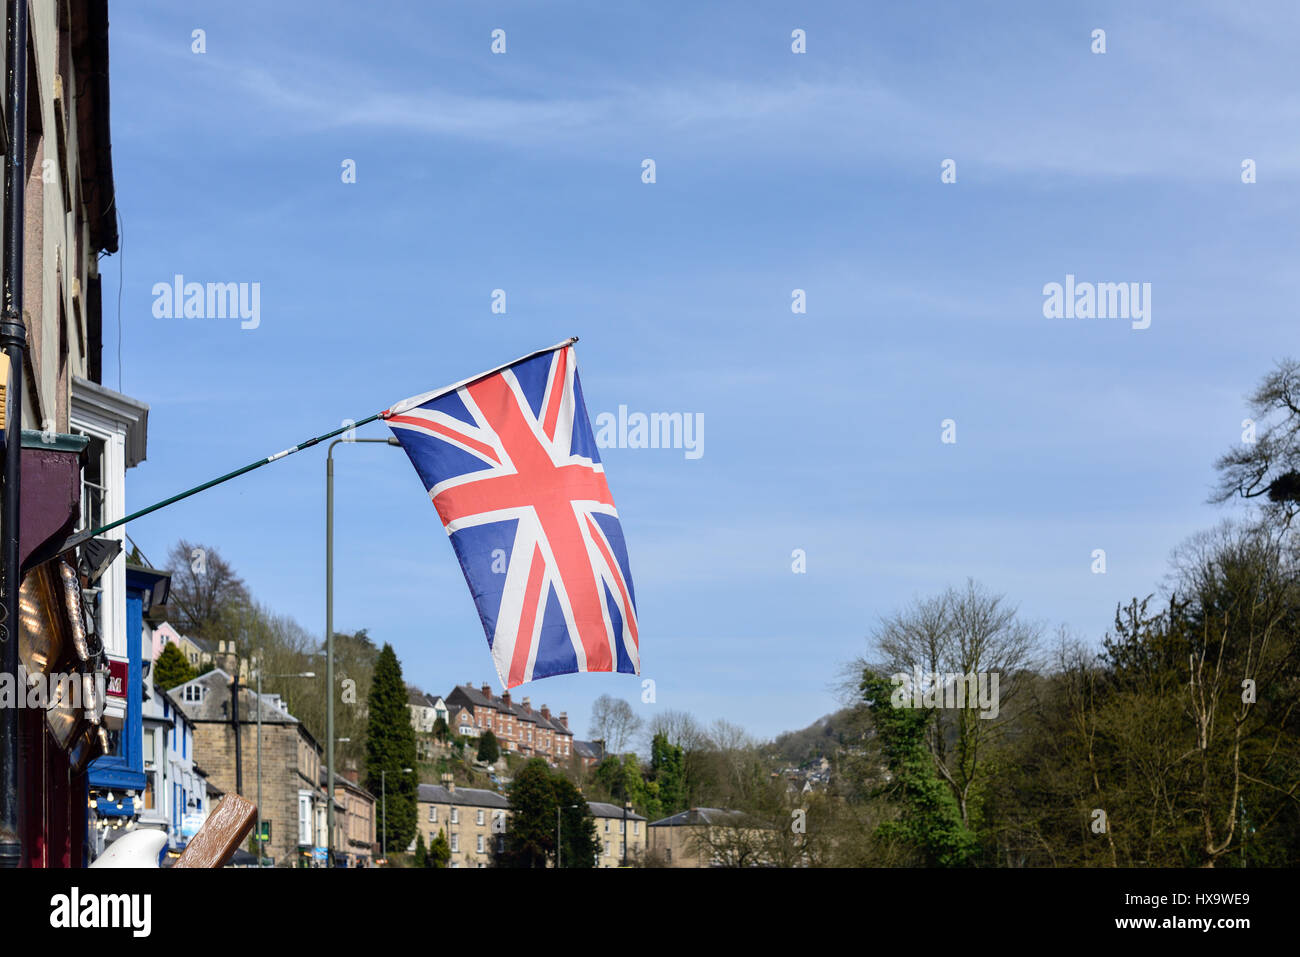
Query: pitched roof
x=417, y=698
x=702, y=815
x=593, y=750
x=464, y=797
x=601, y=809
x=215, y=703
x=474, y=697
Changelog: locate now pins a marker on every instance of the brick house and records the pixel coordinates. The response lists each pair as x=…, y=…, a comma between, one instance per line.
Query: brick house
x=291, y=759
x=518, y=726
x=590, y=753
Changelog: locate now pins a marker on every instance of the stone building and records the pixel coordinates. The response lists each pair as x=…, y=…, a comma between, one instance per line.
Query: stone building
x=473, y=820
x=708, y=837
x=355, y=834
x=616, y=826
x=292, y=798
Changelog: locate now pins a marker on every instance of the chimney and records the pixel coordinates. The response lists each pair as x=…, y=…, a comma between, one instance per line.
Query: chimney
x=487, y=691
x=546, y=713
x=528, y=708
x=505, y=699
x=564, y=719
x=352, y=775
x=227, y=660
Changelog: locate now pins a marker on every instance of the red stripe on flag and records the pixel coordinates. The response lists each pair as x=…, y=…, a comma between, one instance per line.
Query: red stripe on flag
x=629, y=613
x=524, y=636
x=557, y=393
x=485, y=450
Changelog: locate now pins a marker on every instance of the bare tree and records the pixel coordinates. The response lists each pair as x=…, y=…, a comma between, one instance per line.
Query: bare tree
x=614, y=722
x=960, y=636
x=1244, y=597
x=679, y=727
x=920, y=635
x=988, y=638
x=1266, y=464
x=207, y=596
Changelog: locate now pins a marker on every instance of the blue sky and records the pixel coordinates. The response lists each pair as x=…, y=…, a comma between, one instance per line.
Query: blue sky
x=775, y=171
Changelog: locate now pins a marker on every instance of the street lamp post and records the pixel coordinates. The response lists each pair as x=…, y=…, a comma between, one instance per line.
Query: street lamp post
x=558, y=850
x=304, y=674
x=627, y=806
x=383, y=805
x=329, y=633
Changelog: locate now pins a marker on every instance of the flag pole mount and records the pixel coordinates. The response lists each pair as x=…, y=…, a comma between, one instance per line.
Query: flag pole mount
x=82, y=537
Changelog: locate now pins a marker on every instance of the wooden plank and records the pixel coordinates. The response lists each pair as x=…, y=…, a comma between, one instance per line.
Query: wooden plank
x=221, y=835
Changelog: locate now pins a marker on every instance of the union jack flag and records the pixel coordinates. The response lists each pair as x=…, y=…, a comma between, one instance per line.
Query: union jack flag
x=510, y=461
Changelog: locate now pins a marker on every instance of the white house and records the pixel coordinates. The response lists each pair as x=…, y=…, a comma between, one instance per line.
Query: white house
x=176, y=793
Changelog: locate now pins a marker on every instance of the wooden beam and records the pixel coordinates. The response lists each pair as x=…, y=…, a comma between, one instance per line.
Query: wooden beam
x=221, y=834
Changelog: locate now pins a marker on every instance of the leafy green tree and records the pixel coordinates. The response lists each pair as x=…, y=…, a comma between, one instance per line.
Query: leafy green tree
x=579, y=844
x=668, y=771
x=440, y=729
x=421, y=853
x=390, y=747
x=171, y=668
x=536, y=796
x=930, y=821
x=621, y=779
x=488, y=748
x=439, y=852
x=530, y=831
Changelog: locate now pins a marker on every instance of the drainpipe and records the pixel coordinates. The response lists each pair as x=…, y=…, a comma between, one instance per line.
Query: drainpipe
x=13, y=339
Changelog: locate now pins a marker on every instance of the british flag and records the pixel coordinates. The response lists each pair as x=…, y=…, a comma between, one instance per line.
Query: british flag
x=510, y=461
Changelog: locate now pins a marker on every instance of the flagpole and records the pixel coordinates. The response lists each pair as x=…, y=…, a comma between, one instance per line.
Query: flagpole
x=395, y=409
x=81, y=537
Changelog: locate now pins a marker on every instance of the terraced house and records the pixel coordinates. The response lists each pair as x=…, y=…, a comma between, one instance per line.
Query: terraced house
x=622, y=833
x=473, y=820
x=518, y=726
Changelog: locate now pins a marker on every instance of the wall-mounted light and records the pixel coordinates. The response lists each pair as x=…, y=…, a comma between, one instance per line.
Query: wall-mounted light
x=96, y=557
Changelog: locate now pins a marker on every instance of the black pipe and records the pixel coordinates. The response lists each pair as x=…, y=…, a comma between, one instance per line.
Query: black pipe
x=13, y=339
x=234, y=720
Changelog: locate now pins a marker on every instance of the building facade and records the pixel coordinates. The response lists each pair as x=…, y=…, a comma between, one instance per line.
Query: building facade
x=355, y=834
x=425, y=710
x=116, y=780
x=472, y=819
x=292, y=801
x=175, y=798
x=707, y=837
x=517, y=725
x=620, y=831
x=72, y=616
